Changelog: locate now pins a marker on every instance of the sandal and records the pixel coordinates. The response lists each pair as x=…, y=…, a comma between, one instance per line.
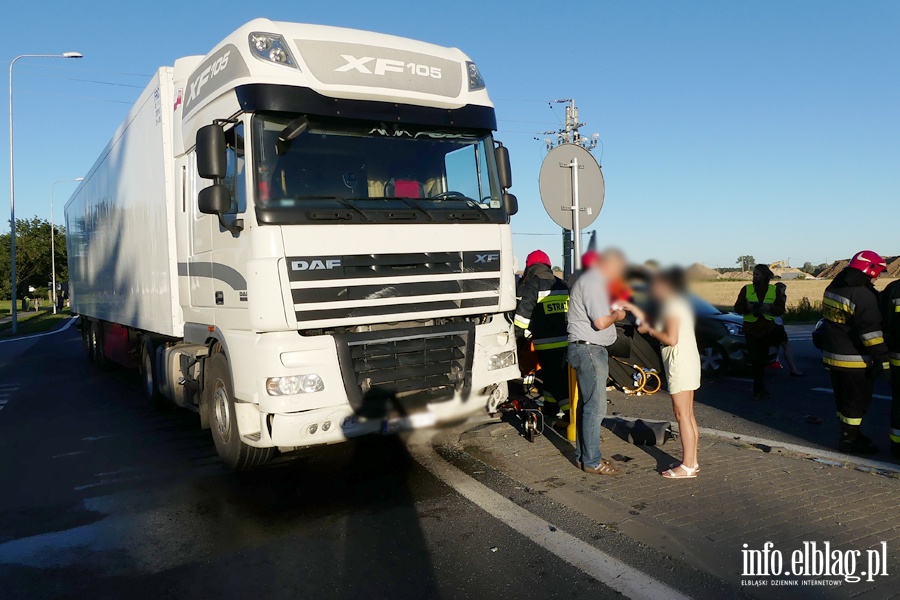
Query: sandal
x=690, y=472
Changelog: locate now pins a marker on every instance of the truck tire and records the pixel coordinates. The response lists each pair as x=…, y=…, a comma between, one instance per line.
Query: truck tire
x=148, y=371
x=98, y=353
x=86, y=340
x=219, y=401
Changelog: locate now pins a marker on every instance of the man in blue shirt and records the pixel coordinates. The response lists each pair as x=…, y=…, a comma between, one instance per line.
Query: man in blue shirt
x=591, y=329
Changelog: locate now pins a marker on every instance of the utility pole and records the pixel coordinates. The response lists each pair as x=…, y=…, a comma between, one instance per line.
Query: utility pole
x=570, y=134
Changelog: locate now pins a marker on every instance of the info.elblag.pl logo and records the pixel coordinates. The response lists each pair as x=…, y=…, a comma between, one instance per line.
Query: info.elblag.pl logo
x=815, y=564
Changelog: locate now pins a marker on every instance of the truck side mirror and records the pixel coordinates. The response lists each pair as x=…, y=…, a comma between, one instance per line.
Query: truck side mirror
x=501, y=156
x=510, y=204
x=214, y=200
x=211, y=159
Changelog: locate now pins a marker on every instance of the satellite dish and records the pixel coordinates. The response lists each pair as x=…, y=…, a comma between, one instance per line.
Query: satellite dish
x=556, y=185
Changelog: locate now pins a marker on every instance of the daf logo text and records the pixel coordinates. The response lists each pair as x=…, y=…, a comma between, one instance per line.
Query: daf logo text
x=318, y=264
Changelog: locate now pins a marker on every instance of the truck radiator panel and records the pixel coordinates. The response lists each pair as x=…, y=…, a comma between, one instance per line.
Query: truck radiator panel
x=400, y=361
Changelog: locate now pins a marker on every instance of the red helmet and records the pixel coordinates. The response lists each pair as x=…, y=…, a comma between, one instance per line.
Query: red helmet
x=537, y=257
x=869, y=263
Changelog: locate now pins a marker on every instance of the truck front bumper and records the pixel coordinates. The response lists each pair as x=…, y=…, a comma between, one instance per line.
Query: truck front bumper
x=328, y=416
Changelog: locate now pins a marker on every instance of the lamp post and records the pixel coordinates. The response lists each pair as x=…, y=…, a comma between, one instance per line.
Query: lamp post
x=53, y=238
x=12, y=184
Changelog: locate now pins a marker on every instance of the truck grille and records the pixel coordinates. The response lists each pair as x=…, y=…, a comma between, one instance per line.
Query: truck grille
x=400, y=361
x=339, y=288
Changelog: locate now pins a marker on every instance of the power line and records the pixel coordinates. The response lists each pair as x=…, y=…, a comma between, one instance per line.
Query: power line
x=124, y=74
x=128, y=85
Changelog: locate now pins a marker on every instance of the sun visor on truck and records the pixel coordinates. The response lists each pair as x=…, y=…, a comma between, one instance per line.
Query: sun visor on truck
x=258, y=97
x=342, y=63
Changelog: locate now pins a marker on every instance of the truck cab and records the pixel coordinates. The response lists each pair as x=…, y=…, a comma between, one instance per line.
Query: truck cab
x=343, y=238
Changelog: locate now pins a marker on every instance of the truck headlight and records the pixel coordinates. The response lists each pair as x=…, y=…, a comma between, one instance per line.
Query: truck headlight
x=502, y=360
x=294, y=384
x=271, y=47
x=476, y=81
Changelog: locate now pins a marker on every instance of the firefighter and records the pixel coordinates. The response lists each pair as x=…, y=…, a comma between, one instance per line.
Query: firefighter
x=890, y=316
x=853, y=347
x=541, y=315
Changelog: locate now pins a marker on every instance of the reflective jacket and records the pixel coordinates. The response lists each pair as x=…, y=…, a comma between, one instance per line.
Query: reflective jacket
x=853, y=337
x=749, y=305
x=542, y=308
x=890, y=318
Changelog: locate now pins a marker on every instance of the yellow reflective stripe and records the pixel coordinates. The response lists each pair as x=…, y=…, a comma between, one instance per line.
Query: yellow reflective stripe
x=837, y=305
x=521, y=322
x=565, y=406
x=551, y=346
x=847, y=364
x=844, y=303
x=554, y=298
x=894, y=359
x=850, y=420
x=895, y=436
x=873, y=341
x=897, y=308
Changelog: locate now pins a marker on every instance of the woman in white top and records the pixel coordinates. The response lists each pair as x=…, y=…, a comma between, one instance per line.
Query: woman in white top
x=675, y=331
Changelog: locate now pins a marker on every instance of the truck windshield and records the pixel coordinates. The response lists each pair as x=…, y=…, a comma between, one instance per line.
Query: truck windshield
x=357, y=172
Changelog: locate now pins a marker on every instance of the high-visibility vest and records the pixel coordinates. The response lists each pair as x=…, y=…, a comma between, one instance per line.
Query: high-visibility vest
x=751, y=297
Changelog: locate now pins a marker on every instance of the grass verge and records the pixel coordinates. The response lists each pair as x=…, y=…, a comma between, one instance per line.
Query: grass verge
x=39, y=322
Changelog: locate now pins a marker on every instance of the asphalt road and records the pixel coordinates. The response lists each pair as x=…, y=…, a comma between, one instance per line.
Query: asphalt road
x=105, y=498
x=791, y=414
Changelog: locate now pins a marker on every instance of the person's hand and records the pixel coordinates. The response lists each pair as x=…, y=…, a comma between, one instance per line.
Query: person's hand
x=618, y=315
x=643, y=328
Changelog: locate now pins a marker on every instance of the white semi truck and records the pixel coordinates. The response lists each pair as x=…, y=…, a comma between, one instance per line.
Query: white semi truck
x=304, y=237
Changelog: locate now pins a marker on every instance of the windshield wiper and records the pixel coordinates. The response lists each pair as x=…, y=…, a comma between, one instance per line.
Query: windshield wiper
x=340, y=200
x=413, y=203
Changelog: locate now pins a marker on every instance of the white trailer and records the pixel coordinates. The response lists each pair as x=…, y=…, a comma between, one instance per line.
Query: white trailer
x=304, y=237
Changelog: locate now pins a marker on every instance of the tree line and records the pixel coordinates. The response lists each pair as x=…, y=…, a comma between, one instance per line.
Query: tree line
x=33, y=261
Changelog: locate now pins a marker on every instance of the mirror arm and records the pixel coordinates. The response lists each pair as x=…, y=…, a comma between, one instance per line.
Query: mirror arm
x=233, y=228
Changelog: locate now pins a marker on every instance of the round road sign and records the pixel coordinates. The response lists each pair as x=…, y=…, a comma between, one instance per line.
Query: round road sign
x=556, y=185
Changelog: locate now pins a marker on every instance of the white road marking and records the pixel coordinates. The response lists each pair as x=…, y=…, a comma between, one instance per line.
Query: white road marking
x=37, y=335
x=609, y=571
x=94, y=438
x=5, y=390
x=68, y=454
x=831, y=391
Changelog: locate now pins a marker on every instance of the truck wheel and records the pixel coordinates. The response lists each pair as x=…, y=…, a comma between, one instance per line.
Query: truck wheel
x=148, y=375
x=219, y=401
x=87, y=340
x=99, y=345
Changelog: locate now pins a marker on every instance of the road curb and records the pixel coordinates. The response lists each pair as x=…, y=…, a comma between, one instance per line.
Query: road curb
x=835, y=458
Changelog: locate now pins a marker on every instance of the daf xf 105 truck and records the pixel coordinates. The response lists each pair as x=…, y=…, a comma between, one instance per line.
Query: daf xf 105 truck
x=304, y=237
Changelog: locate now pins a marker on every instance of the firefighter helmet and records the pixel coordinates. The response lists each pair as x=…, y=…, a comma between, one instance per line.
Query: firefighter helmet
x=537, y=257
x=869, y=263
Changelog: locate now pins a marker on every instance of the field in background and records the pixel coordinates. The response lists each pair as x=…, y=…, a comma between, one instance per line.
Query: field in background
x=724, y=293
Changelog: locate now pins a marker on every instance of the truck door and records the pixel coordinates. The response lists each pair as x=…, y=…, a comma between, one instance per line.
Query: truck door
x=219, y=257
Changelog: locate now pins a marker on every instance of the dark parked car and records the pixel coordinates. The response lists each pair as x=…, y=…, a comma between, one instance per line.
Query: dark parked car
x=818, y=333
x=720, y=338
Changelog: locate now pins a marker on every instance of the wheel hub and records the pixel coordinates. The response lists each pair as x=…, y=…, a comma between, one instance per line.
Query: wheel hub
x=711, y=360
x=222, y=414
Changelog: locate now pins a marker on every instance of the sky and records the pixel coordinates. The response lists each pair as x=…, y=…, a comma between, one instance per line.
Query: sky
x=766, y=128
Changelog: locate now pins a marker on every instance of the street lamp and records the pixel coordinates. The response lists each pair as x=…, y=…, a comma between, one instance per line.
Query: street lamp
x=12, y=184
x=53, y=239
